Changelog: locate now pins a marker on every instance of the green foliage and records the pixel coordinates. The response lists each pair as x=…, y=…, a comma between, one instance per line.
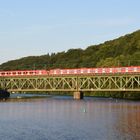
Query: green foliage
x=118, y=95
x=108, y=62
x=124, y=51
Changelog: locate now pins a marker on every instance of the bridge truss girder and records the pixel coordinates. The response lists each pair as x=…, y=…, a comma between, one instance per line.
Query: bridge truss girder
x=72, y=83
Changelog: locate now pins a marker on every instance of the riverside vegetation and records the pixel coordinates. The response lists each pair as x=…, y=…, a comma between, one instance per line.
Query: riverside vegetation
x=123, y=51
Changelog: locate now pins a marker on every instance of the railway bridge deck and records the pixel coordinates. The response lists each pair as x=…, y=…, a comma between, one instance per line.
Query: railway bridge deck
x=72, y=83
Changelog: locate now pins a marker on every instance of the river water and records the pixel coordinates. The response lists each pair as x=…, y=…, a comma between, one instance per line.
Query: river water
x=62, y=118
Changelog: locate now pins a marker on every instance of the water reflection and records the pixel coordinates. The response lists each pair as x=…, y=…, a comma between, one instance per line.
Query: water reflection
x=64, y=118
x=129, y=122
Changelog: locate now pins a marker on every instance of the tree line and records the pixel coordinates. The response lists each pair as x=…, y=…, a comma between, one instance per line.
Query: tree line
x=123, y=51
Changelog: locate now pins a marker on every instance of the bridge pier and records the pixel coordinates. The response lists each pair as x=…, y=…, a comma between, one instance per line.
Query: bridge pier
x=78, y=95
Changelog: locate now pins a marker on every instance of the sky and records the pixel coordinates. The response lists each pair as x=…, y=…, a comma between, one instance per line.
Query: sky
x=39, y=27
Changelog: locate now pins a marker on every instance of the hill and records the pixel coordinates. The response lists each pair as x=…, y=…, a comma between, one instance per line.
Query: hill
x=123, y=51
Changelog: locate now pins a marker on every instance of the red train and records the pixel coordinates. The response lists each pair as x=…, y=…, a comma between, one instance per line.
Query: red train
x=78, y=71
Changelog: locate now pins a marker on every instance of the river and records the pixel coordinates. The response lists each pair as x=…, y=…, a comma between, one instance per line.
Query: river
x=62, y=118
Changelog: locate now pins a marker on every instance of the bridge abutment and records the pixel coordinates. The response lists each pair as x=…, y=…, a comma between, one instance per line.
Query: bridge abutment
x=78, y=95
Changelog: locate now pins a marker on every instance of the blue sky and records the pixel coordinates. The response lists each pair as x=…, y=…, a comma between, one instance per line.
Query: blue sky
x=38, y=27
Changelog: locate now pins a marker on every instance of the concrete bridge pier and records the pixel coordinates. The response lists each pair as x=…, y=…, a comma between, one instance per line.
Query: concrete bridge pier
x=78, y=95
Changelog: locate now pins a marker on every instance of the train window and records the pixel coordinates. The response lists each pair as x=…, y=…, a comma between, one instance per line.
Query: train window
x=93, y=71
x=96, y=70
x=131, y=69
x=138, y=69
x=135, y=70
x=123, y=70
x=54, y=71
x=119, y=69
x=25, y=73
x=40, y=72
x=103, y=70
x=85, y=71
x=72, y=71
x=88, y=71
x=110, y=70
x=68, y=71
x=61, y=71
x=75, y=71
x=126, y=69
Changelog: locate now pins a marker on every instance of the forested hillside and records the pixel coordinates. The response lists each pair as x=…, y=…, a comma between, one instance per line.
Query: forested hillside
x=124, y=51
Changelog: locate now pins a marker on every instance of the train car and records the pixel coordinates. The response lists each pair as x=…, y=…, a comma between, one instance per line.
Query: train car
x=127, y=70
x=133, y=69
x=95, y=71
x=79, y=71
x=23, y=73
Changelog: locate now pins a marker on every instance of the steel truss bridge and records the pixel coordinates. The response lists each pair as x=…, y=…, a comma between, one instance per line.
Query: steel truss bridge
x=79, y=83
